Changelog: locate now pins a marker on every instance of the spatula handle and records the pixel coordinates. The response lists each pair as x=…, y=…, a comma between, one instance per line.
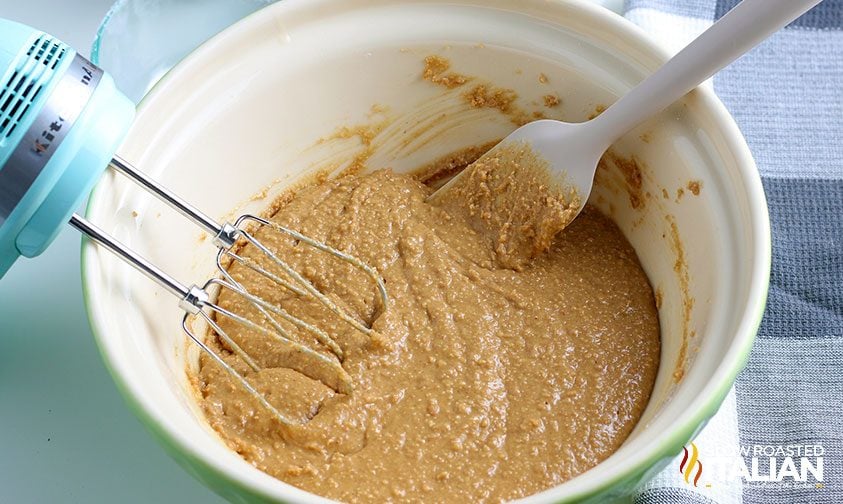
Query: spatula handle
x=741, y=29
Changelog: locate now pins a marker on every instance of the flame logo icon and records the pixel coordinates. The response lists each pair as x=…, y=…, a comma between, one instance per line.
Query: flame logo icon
x=690, y=461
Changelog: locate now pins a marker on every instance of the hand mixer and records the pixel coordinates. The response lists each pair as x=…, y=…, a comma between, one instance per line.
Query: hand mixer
x=61, y=121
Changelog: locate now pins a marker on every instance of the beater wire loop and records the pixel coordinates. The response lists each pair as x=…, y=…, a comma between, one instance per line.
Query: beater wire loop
x=284, y=419
x=320, y=335
x=325, y=300
x=296, y=356
x=254, y=266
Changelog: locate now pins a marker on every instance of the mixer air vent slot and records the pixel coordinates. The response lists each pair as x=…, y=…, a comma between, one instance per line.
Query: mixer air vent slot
x=32, y=71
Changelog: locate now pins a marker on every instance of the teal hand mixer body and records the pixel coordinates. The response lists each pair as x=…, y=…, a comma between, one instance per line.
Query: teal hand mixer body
x=61, y=122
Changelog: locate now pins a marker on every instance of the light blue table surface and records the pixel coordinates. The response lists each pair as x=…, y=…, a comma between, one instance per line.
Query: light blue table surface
x=65, y=432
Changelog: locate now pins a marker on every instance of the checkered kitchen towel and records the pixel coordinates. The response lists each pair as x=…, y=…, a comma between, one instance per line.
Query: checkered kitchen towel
x=787, y=97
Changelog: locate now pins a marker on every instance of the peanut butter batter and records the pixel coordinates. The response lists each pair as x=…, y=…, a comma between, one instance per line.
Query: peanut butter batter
x=484, y=383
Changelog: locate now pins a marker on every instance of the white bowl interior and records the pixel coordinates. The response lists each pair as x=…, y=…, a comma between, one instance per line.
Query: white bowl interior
x=244, y=113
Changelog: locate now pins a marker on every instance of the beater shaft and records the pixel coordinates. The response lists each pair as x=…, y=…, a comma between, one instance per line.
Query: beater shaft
x=224, y=234
x=99, y=236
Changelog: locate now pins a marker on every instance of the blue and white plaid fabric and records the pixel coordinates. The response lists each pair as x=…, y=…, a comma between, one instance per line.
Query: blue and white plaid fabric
x=787, y=97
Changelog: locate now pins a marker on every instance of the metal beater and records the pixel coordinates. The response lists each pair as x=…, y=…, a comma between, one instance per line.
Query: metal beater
x=61, y=120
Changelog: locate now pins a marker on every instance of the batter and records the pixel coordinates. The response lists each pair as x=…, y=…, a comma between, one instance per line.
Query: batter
x=488, y=379
x=511, y=197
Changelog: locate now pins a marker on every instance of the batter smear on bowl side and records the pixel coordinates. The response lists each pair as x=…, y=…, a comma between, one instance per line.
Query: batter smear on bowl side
x=497, y=371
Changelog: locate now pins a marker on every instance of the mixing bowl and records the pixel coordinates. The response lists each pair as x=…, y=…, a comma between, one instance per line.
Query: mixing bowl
x=256, y=109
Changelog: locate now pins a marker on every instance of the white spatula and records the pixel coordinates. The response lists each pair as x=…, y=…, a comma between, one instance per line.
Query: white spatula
x=572, y=150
